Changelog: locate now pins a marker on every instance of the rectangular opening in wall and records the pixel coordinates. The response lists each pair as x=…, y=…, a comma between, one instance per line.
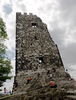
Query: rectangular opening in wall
x=34, y=24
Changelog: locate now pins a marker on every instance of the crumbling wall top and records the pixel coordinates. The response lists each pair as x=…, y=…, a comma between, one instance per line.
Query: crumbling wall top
x=30, y=20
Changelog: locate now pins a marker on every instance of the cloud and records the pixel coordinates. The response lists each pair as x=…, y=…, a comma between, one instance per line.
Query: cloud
x=13, y=64
x=68, y=54
x=67, y=9
x=8, y=84
x=7, y=9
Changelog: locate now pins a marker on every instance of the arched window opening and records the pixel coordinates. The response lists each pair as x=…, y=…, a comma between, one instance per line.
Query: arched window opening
x=41, y=59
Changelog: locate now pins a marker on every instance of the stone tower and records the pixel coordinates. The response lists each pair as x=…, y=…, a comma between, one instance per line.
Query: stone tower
x=34, y=45
x=36, y=52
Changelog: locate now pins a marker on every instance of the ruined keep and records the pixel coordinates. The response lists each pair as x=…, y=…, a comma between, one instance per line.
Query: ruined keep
x=36, y=52
x=34, y=45
x=38, y=56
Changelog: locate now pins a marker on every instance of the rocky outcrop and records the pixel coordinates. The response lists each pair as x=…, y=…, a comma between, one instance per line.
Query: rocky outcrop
x=45, y=93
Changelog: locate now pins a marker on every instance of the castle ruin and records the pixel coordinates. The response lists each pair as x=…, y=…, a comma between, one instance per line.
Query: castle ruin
x=34, y=45
x=36, y=52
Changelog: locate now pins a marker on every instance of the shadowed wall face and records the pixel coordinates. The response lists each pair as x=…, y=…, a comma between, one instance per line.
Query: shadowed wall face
x=34, y=45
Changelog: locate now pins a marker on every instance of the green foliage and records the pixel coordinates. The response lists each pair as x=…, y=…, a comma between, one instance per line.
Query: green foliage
x=5, y=64
x=2, y=50
x=3, y=34
x=3, y=78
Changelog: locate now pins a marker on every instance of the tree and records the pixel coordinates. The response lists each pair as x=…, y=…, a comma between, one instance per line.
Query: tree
x=5, y=63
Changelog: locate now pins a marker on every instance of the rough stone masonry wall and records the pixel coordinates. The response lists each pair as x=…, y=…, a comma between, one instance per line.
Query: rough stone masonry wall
x=36, y=52
x=34, y=44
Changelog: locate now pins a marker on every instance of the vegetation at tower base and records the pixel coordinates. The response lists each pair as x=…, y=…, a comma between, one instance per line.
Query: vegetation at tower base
x=5, y=64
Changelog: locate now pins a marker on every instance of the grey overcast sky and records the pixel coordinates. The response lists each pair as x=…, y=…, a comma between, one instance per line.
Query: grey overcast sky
x=60, y=17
